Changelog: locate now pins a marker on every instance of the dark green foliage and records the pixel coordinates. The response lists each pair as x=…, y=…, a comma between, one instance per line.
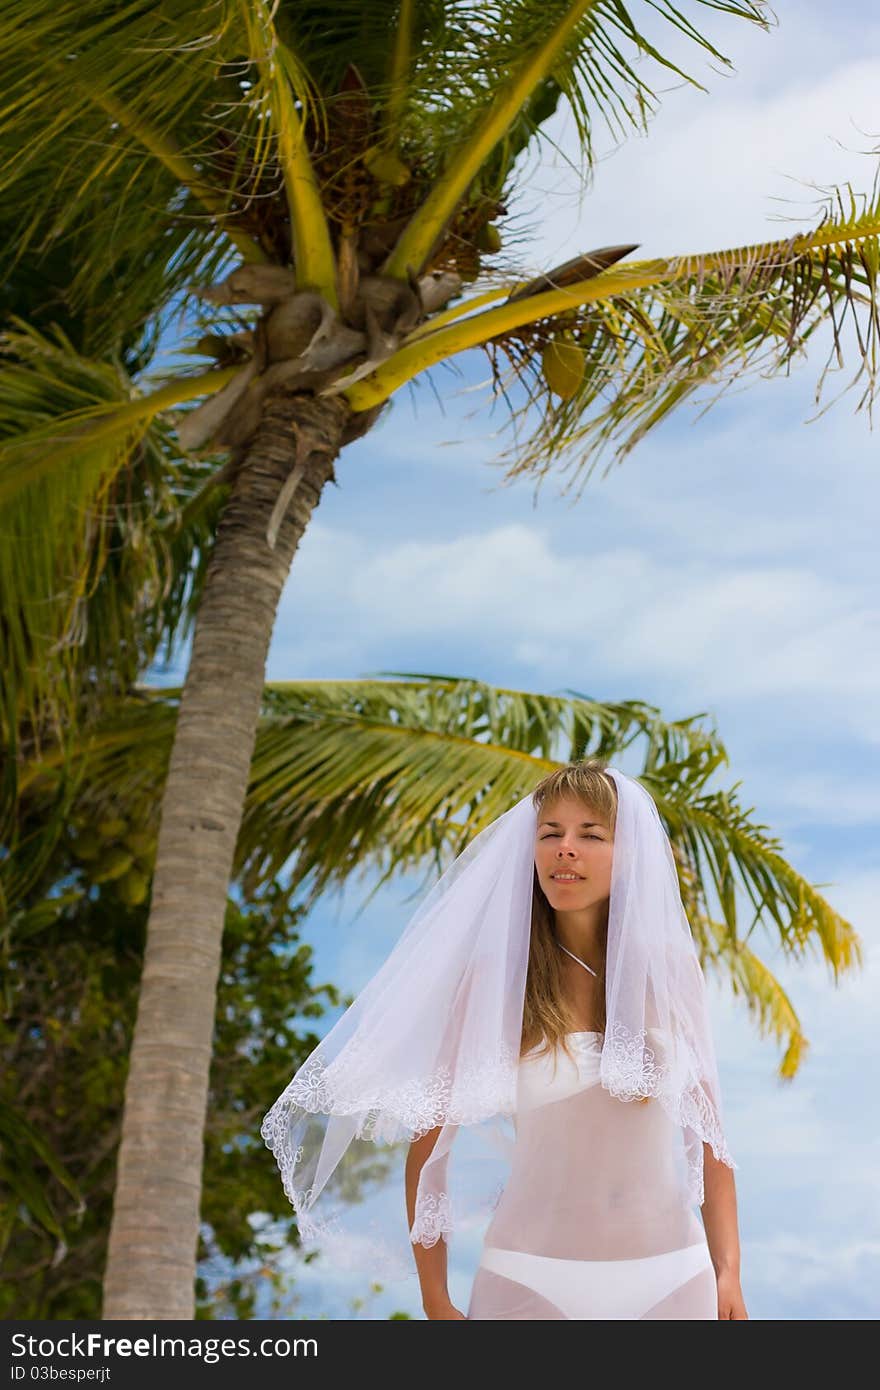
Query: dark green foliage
x=64, y=1044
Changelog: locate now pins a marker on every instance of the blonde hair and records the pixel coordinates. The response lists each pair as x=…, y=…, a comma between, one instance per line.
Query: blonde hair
x=546, y=1016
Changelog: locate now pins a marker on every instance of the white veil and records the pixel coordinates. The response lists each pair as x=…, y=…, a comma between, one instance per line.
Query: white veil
x=434, y=1040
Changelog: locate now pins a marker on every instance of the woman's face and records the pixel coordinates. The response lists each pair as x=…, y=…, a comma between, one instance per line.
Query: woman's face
x=573, y=850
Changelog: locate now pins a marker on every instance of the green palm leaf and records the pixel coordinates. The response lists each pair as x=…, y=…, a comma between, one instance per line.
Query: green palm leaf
x=767, y=1001
x=645, y=335
x=210, y=124
x=22, y=1148
x=91, y=486
x=378, y=777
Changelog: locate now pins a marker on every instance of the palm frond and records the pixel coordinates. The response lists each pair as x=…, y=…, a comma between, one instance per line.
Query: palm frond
x=433, y=759
x=163, y=146
x=400, y=67
x=427, y=225
x=648, y=333
x=725, y=321
x=438, y=757
x=276, y=87
x=376, y=777
x=38, y=434
x=130, y=121
x=93, y=571
x=176, y=133
x=22, y=1150
x=768, y=1003
x=727, y=850
x=585, y=52
x=458, y=54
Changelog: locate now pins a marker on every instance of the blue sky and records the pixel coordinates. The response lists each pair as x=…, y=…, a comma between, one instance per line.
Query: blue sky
x=728, y=566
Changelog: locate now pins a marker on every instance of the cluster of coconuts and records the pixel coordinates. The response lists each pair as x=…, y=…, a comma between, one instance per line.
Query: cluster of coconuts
x=117, y=851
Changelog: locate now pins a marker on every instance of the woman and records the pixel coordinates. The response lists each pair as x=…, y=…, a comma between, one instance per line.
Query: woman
x=573, y=1235
x=550, y=979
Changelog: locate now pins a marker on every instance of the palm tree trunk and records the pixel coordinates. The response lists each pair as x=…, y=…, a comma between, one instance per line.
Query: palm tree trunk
x=151, y=1258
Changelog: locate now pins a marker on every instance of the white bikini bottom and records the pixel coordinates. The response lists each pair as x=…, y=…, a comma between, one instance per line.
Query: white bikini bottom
x=602, y=1289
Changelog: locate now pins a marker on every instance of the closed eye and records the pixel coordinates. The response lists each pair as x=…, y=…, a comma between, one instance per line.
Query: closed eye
x=554, y=836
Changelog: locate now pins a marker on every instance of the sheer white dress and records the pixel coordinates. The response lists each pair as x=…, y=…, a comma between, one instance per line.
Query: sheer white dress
x=591, y=1222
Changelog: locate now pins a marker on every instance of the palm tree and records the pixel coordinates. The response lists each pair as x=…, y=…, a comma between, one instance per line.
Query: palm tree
x=348, y=179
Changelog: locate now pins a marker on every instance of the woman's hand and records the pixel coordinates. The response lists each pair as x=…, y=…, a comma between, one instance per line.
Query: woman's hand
x=731, y=1303
x=442, y=1310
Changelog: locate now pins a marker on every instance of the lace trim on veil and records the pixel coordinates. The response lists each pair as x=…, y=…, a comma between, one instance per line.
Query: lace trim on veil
x=388, y=1115
x=485, y=1088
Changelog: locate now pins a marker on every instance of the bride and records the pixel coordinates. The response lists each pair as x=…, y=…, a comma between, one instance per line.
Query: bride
x=548, y=994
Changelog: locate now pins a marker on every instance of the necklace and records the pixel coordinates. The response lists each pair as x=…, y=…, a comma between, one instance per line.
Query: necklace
x=577, y=958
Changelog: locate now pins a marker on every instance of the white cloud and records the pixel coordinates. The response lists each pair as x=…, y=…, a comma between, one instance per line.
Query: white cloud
x=777, y=1123
x=746, y=632
x=801, y=1264
x=717, y=168
x=793, y=1277
x=830, y=796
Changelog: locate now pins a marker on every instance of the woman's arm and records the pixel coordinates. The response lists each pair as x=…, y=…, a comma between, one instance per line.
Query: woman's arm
x=720, y=1223
x=430, y=1259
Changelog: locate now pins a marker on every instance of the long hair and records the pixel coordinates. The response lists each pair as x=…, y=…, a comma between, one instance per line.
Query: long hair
x=546, y=1016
